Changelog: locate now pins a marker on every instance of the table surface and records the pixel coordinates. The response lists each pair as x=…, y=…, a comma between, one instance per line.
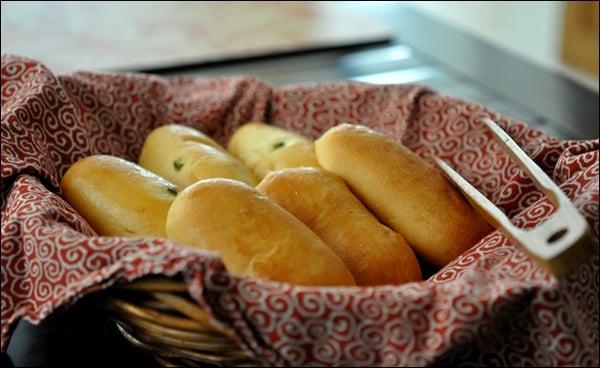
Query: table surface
x=426, y=52
x=69, y=36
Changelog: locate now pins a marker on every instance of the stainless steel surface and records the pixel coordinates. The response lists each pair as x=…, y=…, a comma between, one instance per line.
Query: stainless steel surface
x=385, y=65
x=447, y=59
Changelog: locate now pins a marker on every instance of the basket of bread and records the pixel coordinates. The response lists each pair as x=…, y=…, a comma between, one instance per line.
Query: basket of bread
x=226, y=222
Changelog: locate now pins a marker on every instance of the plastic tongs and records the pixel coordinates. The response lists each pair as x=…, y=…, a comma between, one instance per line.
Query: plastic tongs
x=560, y=243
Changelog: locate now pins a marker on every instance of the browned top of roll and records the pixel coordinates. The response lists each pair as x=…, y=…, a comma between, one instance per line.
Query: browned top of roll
x=184, y=155
x=403, y=191
x=253, y=235
x=375, y=254
x=117, y=197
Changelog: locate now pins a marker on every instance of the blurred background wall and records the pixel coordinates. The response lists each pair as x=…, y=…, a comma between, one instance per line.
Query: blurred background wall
x=560, y=35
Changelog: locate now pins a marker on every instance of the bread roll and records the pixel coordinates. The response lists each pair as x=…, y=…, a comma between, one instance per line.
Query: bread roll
x=403, y=191
x=265, y=147
x=184, y=156
x=253, y=235
x=374, y=254
x=117, y=197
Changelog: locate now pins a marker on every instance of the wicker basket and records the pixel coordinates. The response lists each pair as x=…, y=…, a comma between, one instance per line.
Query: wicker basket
x=158, y=316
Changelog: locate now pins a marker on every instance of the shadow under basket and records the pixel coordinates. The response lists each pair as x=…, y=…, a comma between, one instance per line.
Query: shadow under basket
x=159, y=317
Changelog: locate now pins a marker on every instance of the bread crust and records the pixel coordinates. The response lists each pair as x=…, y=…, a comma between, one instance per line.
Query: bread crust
x=253, y=235
x=264, y=147
x=403, y=191
x=117, y=197
x=184, y=155
x=374, y=254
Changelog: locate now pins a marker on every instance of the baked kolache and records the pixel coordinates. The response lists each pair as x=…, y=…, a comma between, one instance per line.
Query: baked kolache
x=374, y=253
x=253, y=235
x=403, y=191
x=263, y=147
x=117, y=197
x=184, y=155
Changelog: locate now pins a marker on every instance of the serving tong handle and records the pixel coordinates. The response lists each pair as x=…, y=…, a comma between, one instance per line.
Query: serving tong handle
x=560, y=243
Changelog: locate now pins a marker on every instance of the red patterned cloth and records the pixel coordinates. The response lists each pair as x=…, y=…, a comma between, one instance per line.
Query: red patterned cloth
x=491, y=306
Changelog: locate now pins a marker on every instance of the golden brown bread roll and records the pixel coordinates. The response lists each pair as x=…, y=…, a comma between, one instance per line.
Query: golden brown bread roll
x=117, y=197
x=184, y=155
x=374, y=254
x=253, y=235
x=403, y=191
x=265, y=147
